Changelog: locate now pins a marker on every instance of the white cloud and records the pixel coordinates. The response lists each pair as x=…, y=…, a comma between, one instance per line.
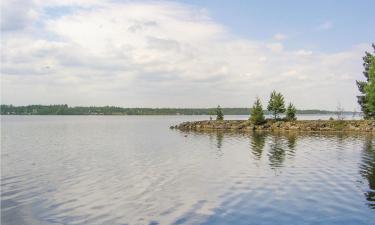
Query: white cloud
x=262, y=59
x=303, y=52
x=17, y=14
x=280, y=37
x=162, y=54
x=290, y=73
x=275, y=47
x=326, y=25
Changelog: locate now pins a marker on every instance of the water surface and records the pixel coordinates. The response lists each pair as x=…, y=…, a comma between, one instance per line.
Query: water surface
x=134, y=170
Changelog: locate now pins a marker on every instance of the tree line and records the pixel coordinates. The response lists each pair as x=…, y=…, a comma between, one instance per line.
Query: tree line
x=64, y=109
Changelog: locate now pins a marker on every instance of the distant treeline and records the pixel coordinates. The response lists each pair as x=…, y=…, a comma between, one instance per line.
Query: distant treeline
x=113, y=110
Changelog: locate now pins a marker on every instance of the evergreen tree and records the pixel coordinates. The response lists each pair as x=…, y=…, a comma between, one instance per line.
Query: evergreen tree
x=256, y=113
x=291, y=112
x=366, y=100
x=219, y=113
x=370, y=90
x=276, y=104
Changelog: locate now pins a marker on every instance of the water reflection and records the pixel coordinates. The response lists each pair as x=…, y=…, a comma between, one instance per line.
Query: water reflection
x=258, y=141
x=219, y=143
x=316, y=168
x=219, y=139
x=292, y=142
x=276, y=153
x=278, y=145
x=367, y=170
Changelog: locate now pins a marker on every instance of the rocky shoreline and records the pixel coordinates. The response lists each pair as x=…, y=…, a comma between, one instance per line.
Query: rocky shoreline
x=271, y=125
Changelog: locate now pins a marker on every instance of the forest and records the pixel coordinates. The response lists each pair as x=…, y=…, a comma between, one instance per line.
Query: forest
x=64, y=109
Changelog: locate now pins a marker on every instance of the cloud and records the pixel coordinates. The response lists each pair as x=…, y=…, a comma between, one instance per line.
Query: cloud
x=326, y=25
x=275, y=47
x=161, y=54
x=304, y=52
x=17, y=15
x=280, y=37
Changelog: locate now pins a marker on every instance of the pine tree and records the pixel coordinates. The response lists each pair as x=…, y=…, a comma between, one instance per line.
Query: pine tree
x=256, y=113
x=366, y=100
x=370, y=90
x=276, y=104
x=291, y=112
x=219, y=113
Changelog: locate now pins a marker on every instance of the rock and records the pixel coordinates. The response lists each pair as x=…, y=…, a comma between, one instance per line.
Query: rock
x=294, y=128
x=316, y=125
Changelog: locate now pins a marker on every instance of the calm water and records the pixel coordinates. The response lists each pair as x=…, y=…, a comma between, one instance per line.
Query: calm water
x=135, y=170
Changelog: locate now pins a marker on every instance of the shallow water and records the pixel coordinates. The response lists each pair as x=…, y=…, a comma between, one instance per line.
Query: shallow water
x=135, y=170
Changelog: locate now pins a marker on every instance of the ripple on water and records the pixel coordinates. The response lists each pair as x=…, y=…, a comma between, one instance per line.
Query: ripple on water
x=129, y=170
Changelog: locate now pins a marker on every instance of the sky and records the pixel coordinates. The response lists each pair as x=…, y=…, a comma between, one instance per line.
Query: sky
x=196, y=53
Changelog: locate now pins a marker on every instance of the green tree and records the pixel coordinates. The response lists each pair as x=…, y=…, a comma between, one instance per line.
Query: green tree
x=367, y=98
x=370, y=90
x=219, y=113
x=256, y=112
x=291, y=112
x=276, y=104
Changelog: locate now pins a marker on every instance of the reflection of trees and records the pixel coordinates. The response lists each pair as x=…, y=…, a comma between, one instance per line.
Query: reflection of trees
x=219, y=143
x=276, y=152
x=367, y=170
x=258, y=141
x=219, y=139
x=292, y=142
x=211, y=136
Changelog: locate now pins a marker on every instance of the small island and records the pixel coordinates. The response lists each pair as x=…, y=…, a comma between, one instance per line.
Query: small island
x=272, y=125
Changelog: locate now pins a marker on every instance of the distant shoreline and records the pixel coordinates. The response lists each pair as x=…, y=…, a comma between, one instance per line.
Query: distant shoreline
x=114, y=110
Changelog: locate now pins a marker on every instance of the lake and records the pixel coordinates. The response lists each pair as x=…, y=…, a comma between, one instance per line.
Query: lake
x=135, y=170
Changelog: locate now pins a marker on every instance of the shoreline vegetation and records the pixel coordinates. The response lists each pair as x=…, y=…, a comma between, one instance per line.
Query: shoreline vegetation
x=281, y=125
x=113, y=110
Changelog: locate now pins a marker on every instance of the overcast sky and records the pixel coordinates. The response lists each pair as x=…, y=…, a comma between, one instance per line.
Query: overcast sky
x=183, y=53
